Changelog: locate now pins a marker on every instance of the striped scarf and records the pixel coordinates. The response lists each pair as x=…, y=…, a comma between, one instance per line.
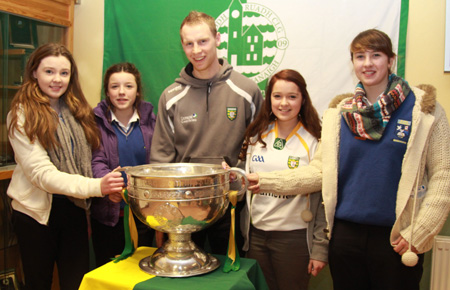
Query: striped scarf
x=369, y=121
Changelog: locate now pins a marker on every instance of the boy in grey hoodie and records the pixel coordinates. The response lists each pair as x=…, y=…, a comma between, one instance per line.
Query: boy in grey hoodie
x=203, y=115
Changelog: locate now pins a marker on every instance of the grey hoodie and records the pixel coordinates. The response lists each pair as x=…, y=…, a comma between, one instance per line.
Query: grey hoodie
x=204, y=118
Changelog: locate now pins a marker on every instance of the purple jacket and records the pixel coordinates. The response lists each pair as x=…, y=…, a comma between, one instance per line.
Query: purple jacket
x=106, y=159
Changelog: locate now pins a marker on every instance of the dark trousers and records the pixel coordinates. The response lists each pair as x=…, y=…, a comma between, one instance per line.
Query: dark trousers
x=218, y=234
x=64, y=241
x=109, y=241
x=361, y=257
x=283, y=257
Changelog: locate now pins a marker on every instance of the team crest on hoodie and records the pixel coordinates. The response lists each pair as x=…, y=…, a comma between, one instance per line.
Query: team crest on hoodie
x=232, y=113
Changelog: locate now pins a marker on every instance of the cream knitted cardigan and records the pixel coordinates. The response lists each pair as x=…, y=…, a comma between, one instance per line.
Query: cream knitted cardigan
x=428, y=150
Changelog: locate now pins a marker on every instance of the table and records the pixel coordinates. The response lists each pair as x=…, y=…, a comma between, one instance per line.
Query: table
x=126, y=274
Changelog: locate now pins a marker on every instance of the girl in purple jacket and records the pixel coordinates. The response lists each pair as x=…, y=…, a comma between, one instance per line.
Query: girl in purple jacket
x=126, y=123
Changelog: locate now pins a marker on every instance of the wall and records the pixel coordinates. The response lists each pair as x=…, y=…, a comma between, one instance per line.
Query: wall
x=425, y=47
x=88, y=47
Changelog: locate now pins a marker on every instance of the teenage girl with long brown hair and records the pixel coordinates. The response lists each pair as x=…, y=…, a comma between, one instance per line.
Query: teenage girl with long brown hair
x=284, y=233
x=52, y=131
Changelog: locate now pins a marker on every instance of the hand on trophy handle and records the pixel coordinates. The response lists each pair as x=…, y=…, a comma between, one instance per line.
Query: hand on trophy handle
x=232, y=174
x=253, y=180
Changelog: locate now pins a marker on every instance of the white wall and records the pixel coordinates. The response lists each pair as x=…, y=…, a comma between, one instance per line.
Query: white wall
x=425, y=48
x=88, y=47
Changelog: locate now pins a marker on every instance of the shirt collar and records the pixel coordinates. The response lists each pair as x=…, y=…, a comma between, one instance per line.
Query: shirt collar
x=134, y=118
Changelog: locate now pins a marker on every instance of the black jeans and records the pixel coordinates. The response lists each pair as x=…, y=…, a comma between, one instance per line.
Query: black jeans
x=64, y=241
x=362, y=258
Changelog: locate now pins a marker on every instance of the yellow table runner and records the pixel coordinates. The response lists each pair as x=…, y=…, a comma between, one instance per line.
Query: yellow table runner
x=117, y=275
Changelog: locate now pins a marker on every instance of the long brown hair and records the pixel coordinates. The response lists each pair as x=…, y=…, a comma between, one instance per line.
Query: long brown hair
x=308, y=114
x=41, y=121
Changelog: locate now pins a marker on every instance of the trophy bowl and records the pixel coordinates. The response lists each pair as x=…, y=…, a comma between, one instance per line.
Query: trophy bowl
x=180, y=199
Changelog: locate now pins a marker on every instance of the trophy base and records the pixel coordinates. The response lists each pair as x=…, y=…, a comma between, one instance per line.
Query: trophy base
x=175, y=259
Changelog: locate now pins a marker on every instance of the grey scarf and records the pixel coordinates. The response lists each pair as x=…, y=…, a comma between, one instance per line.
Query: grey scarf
x=74, y=156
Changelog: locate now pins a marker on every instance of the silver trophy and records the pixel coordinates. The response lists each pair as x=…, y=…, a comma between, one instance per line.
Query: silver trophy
x=180, y=199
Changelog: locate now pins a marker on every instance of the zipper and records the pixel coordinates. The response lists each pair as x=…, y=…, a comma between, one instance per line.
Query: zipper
x=208, y=91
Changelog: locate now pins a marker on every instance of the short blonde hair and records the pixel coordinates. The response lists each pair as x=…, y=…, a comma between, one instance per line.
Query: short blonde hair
x=196, y=17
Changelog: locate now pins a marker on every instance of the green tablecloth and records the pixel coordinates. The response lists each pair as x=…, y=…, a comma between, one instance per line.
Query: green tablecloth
x=127, y=275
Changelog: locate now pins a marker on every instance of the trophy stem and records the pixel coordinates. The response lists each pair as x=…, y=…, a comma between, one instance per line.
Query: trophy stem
x=179, y=257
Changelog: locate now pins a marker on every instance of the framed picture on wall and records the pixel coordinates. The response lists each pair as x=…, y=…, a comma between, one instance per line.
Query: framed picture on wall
x=447, y=37
x=20, y=32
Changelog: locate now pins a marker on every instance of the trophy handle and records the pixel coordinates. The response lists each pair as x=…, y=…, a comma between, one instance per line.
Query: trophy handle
x=240, y=174
x=122, y=169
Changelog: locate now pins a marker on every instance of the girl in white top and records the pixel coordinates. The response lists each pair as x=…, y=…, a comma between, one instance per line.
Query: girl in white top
x=284, y=232
x=52, y=131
